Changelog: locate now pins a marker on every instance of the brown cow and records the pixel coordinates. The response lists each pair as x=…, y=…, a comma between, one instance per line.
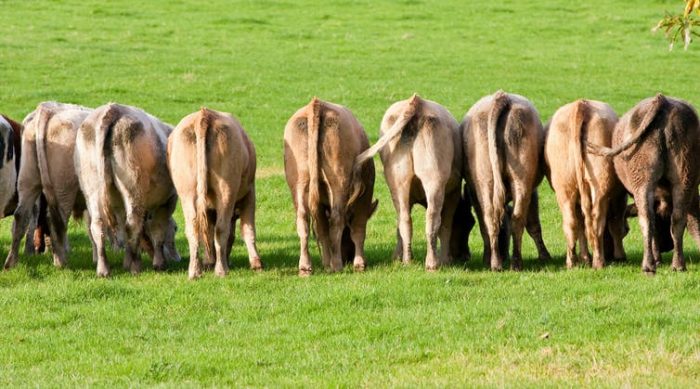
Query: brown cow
x=212, y=164
x=321, y=142
x=585, y=184
x=47, y=168
x=121, y=162
x=657, y=145
x=421, y=149
x=503, y=138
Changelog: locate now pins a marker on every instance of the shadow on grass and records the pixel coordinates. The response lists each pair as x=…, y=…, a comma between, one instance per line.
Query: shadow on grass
x=282, y=255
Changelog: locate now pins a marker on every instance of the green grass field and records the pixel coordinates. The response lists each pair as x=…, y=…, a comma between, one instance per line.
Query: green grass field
x=392, y=325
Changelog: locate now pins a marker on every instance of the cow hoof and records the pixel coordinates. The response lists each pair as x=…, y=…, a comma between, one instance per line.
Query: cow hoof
x=360, y=267
x=9, y=265
x=516, y=267
x=305, y=272
x=256, y=265
x=496, y=268
x=679, y=268
x=546, y=257
x=103, y=273
x=649, y=271
x=432, y=268
x=598, y=265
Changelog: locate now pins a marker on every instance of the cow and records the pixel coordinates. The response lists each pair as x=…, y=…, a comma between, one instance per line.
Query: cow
x=656, y=145
x=48, y=141
x=36, y=234
x=9, y=166
x=421, y=149
x=503, y=138
x=321, y=142
x=585, y=184
x=212, y=164
x=121, y=163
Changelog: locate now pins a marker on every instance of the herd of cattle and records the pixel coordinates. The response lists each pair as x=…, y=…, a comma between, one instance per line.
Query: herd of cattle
x=123, y=170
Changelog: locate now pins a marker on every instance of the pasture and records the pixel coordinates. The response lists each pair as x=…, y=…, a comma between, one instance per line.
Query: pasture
x=393, y=325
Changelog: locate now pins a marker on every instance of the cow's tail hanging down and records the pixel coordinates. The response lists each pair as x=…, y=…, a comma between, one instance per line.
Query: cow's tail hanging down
x=201, y=223
x=313, y=123
x=103, y=149
x=500, y=108
x=579, y=117
x=44, y=116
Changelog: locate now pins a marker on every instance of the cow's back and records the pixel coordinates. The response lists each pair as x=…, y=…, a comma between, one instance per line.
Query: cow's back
x=137, y=148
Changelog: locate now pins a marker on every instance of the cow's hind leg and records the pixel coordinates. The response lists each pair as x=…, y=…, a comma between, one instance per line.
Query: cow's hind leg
x=694, y=220
x=58, y=221
x=403, y=208
x=435, y=195
x=97, y=231
x=596, y=236
x=194, y=269
x=521, y=205
x=305, y=267
x=135, y=218
x=617, y=225
x=448, y=213
x=322, y=230
x=682, y=198
x=222, y=233
x=23, y=215
x=644, y=199
x=570, y=226
x=248, y=229
x=534, y=228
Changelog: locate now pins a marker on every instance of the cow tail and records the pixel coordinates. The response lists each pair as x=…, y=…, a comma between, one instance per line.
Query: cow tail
x=501, y=103
x=42, y=123
x=312, y=151
x=201, y=223
x=102, y=151
x=656, y=104
x=578, y=121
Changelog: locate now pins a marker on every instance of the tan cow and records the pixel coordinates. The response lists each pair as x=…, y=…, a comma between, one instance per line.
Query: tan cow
x=121, y=162
x=212, y=164
x=585, y=184
x=47, y=168
x=655, y=145
x=321, y=142
x=503, y=138
x=421, y=149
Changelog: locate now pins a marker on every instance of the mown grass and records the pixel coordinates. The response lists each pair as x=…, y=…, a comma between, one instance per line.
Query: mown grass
x=392, y=325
